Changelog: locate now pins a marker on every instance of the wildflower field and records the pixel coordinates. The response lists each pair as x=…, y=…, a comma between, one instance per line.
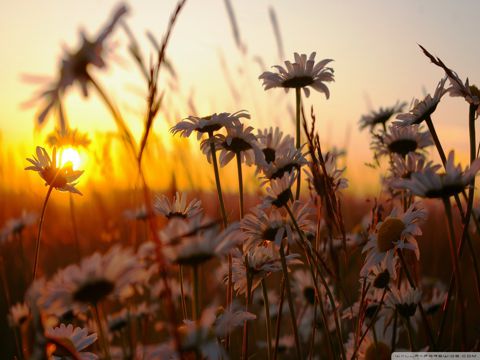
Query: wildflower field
x=198, y=231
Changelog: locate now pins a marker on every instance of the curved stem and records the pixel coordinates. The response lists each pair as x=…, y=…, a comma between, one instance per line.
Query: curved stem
x=266, y=304
x=279, y=318
x=247, y=307
x=39, y=234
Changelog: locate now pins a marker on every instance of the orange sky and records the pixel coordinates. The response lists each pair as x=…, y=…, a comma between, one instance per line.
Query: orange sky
x=373, y=44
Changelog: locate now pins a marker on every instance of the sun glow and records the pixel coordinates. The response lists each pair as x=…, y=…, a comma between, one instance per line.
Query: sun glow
x=69, y=155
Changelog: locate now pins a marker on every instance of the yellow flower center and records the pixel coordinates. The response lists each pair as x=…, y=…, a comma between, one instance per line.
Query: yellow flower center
x=380, y=351
x=389, y=232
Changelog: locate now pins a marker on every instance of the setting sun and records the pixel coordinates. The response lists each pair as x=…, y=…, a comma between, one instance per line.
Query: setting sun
x=69, y=155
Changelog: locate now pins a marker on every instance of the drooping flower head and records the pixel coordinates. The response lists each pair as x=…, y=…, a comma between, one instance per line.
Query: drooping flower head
x=61, y=178
x=300, y=74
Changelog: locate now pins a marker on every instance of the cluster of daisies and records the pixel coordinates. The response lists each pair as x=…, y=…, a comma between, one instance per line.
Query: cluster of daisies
x=272, y=281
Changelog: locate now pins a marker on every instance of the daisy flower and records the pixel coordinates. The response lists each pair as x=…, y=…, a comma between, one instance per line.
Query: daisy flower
x=96, y=278
x=279, y=191
x=431, y=184
x=262, y=261
x=260, y=226
x=177, y=207
x=195, y=241
x=16, y=226
x=65, y=137
x=272, y=142
x=74, y=336
x=420, y=110
x=301, y=74
x=239, y=141
x=60, y=178
x=435, y=301
x=373, y=347
x=229, y=319
x=289, y=160
x=380, y=116
x=75, y=66
x=139, y=213
x=397, y=231
x=403, y=168
x=401, y=140
x=405, y=299
x=18, y=314
x=208, y=124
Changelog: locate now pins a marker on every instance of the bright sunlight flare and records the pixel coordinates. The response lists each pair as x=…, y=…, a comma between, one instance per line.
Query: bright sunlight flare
x=69, y=155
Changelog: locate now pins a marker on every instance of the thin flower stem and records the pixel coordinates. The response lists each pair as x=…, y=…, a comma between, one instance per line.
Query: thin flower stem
x=298, y=141
x=74, y=228
x=217, y=179
x=247, y=308
x=436, y=140
x=39, y=234
x=240, y=183
x=371, y=323
x=279, y=318
x=23, y=259
x=456, y=266
x=196, y=297
x=409, y=333
x=331, y=299
x=426, y=324
x=101, y=332
x=393, y=341
x=290, y=303
x=266, y=304
x=182, y=292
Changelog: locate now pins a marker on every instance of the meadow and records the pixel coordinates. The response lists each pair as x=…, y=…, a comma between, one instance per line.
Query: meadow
x=210, y=236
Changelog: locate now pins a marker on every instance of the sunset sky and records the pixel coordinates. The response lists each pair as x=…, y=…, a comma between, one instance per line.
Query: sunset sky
x=373, y=43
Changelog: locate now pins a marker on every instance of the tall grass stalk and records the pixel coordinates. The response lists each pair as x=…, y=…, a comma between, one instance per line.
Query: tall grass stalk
x=298, y=136
x=101, y=332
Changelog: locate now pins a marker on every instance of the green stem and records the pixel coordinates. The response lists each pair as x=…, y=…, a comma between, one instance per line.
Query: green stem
x=240, y=182
x=436, y=140
x=266, y=304
x=39, y=234
x=290, y=303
